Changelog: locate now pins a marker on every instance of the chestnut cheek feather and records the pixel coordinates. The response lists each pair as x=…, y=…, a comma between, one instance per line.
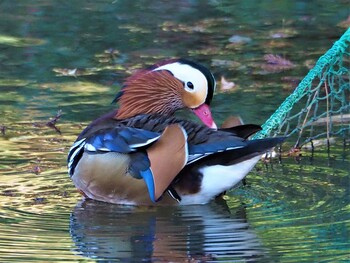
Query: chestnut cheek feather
x=151, y=92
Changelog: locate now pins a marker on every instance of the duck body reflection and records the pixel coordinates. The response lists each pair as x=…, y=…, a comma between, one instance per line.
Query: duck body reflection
x=203, y=233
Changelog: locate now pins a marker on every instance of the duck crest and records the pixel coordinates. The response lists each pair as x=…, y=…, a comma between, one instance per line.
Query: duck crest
x=150, y=92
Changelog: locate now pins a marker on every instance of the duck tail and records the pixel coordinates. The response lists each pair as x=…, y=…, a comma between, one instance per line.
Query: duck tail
x=263, y=145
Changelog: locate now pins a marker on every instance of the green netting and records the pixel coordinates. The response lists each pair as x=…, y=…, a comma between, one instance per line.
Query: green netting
x=319, y=107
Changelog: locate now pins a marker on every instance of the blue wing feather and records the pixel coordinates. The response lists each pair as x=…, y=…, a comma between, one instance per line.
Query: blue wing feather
x=139, y=162
x=121, y=139
x=147, y=175
x=117, y=145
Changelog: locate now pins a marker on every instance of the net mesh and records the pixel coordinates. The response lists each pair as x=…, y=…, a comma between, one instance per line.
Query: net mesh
x=319, y=107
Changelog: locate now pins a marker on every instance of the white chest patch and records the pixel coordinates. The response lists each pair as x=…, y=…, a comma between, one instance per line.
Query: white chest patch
x=217, y=179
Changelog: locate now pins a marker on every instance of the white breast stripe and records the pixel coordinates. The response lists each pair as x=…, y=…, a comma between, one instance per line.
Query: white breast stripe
x=77, y=143
x=76, y=148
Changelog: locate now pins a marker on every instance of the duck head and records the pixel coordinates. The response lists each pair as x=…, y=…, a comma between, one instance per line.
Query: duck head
x=167, y=87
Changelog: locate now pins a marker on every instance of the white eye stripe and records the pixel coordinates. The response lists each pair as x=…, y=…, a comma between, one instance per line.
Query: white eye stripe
x=186, y=74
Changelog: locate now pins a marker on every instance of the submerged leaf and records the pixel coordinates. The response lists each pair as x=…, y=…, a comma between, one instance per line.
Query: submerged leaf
x=51, y=123
x=13, y=82
x=20, y=41
x=201, y=26
x=318, y=143
x=345, y=23
x=225, y=63
x=275, y=63
x=341, y=118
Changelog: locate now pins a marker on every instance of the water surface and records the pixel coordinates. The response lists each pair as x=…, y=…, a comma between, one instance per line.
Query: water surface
x=73, y=56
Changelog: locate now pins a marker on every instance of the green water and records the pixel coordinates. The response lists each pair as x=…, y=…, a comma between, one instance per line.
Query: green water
x=73, y=56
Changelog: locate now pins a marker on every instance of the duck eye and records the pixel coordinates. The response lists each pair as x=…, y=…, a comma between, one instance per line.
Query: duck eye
x=190, y=85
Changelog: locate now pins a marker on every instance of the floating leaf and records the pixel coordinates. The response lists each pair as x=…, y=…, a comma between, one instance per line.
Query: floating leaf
x=110, y=55
x=208, y=51
x=291, y=79
x=277, y=43
x=237, y=39
x=275, y=63
x=309, y=63
x=65, y=71
x=226, y=85
x=283, y=33
x=232, y=121
x=180, y=27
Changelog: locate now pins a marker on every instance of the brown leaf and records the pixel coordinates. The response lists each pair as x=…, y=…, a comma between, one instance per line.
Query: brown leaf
x=232, y=121
x=278, y=60
x=345, y=23
x=51, y=124
x=276, y=63
x=226, y=85
x=36, y=169
x=3, y=129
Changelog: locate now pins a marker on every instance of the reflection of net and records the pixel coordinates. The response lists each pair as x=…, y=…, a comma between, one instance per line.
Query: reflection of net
x=320, y=105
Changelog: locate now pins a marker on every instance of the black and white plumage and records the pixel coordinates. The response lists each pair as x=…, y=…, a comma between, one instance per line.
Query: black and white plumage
x=214, y=156
x=140, y=154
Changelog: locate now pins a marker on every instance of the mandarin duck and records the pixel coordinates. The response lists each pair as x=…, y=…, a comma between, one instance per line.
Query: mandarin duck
x=141, y=154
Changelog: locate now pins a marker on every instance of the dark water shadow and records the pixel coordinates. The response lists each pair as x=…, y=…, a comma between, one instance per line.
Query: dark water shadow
x=208, y=233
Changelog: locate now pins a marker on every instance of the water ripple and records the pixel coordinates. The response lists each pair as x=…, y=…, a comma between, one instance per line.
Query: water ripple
x=207, y=233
